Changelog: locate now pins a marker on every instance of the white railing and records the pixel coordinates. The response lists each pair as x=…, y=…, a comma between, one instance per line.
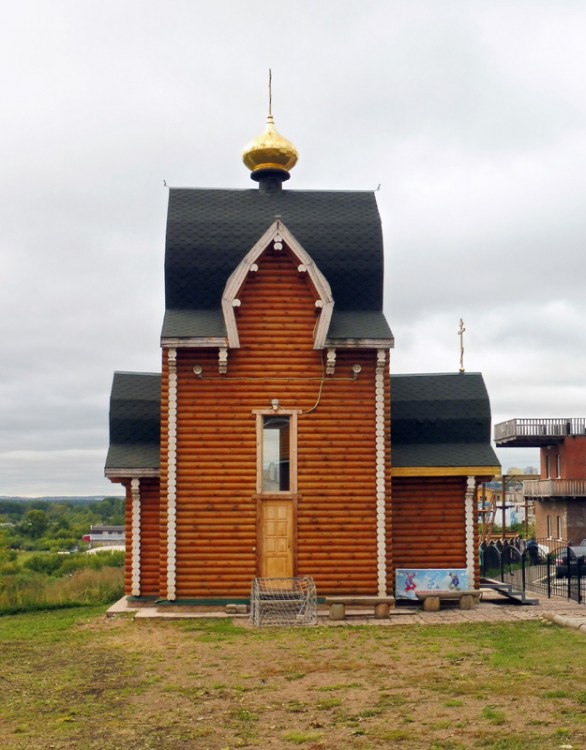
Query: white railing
x=540, y=428
x=555, y=488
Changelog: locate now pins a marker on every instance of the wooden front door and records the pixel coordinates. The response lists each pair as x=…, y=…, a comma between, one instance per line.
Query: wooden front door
x=276, y=539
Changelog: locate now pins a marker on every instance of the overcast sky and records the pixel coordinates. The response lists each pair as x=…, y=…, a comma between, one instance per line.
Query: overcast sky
x=471, y=115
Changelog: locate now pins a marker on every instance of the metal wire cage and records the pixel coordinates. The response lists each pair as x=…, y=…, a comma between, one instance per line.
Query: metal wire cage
x=283, y=601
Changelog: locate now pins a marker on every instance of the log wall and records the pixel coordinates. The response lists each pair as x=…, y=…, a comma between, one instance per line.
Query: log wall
x=429, y=528
x=149, y=535
x=216, y=432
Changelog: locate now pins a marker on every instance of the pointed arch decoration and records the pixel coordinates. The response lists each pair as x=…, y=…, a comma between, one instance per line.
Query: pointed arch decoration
x=277, y=234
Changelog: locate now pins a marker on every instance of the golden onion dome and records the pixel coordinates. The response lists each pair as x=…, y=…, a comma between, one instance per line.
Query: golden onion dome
x=270, y=152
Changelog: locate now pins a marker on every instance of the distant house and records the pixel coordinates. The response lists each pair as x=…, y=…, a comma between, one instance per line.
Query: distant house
x=275, y=442
x=105, y=536
x=560, y=492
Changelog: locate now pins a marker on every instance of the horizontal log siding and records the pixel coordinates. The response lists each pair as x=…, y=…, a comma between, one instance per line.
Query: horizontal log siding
x=150, y=537
x=337, y=482
x=429, y=522
x=216, y=470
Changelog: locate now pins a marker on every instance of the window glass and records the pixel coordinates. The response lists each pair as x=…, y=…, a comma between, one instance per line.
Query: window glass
x=276, y=451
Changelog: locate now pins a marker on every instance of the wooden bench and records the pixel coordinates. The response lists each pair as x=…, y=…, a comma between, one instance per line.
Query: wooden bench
x=431, y=599
x=337, y=604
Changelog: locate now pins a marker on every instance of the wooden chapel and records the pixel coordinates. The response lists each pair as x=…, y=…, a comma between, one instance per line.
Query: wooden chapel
x=274, y=441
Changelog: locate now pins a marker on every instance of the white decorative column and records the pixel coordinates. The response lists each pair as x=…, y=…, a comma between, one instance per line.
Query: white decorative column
x=381, y=449
x=223, y=360
x=172, y=477
x=331, y=361
x=470, y=515
x=135, y=559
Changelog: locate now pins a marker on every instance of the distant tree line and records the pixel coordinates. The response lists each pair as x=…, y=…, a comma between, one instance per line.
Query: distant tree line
x=43, y=525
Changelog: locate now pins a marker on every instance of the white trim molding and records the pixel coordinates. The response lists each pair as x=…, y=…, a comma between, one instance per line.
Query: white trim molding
x=200, y=342
x=469, y=511
x=172, y=477
x=278, y=235
x=361, y=343
x=381, y=449
x=136, y=541
x=131, y=473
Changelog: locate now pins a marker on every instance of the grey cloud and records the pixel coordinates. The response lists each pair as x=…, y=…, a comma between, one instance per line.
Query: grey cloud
x=470, y=115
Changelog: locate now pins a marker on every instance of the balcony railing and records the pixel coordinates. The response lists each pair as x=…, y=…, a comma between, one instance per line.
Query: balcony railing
x=538, y=431
x=555, y=488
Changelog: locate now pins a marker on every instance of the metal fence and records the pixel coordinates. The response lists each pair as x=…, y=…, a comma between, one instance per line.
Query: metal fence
x=542, y=569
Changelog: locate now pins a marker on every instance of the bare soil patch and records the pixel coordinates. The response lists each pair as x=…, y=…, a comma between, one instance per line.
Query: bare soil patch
x=213, y=685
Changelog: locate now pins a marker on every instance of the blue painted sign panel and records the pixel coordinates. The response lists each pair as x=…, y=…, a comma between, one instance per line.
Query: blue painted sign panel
x=409, y=581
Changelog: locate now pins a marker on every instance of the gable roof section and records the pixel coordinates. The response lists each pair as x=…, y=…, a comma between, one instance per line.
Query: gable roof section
x=276, y=234
x=209, y=232
x=441, y=423
x=135, y=425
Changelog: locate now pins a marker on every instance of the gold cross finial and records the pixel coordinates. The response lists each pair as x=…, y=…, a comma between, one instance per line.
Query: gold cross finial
x=270, y=92
x=461, y=335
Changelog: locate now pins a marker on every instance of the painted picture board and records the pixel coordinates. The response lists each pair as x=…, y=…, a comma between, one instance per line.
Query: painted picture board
x=408, y=581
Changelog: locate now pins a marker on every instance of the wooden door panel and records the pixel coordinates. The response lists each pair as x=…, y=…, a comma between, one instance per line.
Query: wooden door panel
x=276, y=541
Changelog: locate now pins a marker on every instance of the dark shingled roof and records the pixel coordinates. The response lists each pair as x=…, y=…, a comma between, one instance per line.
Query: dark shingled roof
x=210, y=231
x=183, y=324
x=440, y=420
x=135, y=421
x=436, y=420
x=359, y=324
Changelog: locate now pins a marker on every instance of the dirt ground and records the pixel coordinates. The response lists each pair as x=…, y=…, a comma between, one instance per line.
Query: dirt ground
x=215, y=685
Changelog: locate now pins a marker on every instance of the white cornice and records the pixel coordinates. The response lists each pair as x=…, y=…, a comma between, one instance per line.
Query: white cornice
x=131, y=473
x=194, y=342
x=361, y=343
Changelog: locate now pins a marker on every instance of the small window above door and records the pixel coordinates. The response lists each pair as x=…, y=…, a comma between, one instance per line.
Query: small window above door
x=276, y=452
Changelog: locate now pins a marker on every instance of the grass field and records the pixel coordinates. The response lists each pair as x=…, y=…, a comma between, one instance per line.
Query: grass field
x=72, y=679
x=40, y=581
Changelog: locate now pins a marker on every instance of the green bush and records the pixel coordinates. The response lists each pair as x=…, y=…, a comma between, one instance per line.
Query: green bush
x=59, y=544
x=46, y=563
x=9, y=568
x=29, y=591
x=96, y=561
x=22, y=592
x=90, y=587
x=55, y=565
x=7, y=555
